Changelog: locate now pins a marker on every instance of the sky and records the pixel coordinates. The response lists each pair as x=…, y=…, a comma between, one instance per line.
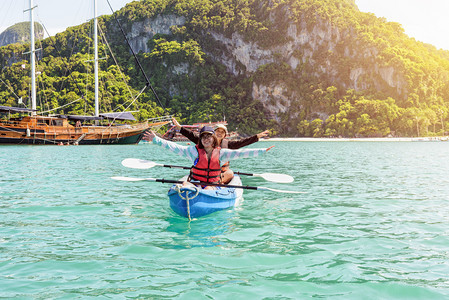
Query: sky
x=425, y=20
x=55, y=15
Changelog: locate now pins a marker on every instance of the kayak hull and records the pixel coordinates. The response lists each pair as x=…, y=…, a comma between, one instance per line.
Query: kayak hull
x=193, y=202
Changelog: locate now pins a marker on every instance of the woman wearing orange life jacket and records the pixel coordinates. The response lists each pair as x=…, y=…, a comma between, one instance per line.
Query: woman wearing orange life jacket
x=206, y=156
x=207, y=167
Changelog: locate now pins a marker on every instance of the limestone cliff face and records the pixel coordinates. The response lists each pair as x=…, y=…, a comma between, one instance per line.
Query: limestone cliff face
x=143, y=31
x=239, y=52
x=246, y=57
x=276, y=92
x=20, y=33
x=323, y=47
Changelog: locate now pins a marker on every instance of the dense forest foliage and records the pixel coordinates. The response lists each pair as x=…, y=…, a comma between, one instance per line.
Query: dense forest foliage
x=191, y=82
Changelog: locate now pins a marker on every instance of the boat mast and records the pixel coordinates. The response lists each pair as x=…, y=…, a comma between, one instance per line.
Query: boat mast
x=97, y=109
x=32, y=59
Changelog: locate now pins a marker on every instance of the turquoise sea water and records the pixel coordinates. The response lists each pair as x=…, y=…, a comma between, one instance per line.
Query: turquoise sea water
x=373, y=225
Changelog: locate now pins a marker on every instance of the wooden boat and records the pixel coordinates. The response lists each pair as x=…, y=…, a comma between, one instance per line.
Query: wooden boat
x=194, y=202
x=61, y=129
x=56, y=130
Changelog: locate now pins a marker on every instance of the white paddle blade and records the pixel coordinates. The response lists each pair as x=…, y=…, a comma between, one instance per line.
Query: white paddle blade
x=122, y=178
x=137, y=163
x=279, y=178
x=281, y=191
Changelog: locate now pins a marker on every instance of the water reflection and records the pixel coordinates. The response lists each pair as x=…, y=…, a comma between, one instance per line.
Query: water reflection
x=201, y=232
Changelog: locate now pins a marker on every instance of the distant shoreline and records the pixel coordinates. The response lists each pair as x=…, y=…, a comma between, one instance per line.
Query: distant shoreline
x=392, y=139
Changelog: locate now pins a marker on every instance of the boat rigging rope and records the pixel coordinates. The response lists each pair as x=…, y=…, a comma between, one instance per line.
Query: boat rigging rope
x=187, y=197
x=103, y=36
x=134, y=99
x=135, y=56
x=9, y=87
x=64, y=62
x=47, y=111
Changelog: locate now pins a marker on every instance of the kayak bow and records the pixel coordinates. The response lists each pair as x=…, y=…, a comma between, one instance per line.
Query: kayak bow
x=193, y=202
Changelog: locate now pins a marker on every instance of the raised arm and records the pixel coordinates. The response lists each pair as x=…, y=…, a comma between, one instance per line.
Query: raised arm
x=228, y=154
x=247, y=141
x=190, y=135
x=242, y=142
x=185, y=132
x=185, y=151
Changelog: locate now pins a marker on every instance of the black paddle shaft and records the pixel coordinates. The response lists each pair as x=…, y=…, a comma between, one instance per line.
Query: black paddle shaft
x=211, y=184
x=178, y=167
x=188, y=168
x=246, y=174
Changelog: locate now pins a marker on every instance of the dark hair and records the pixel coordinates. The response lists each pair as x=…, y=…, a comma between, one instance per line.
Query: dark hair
x=214, y=144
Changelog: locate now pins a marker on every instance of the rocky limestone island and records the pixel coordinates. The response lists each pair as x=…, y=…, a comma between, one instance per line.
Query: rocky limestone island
x=20, y=33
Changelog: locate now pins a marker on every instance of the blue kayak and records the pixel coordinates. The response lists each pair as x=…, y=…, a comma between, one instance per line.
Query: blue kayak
x=193, y=202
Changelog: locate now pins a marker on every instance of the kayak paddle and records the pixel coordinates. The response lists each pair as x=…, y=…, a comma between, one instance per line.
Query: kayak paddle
x=274, y=177
x=137, y=163
x=122, y=178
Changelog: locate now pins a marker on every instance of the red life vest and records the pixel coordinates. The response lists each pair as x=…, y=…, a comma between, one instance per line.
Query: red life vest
x=207, y=170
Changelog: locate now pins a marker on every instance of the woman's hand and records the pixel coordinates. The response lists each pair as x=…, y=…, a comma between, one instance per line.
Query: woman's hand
x=263, y=134
x=178, y=126
x=269, y=148
x=149, y=135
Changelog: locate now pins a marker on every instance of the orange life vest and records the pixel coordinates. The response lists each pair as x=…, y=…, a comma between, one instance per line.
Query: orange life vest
x=206, y=170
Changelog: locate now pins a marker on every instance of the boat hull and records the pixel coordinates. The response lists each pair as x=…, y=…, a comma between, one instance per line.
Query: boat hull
x=53, y=131
x=191, y=202
x=131, y=139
